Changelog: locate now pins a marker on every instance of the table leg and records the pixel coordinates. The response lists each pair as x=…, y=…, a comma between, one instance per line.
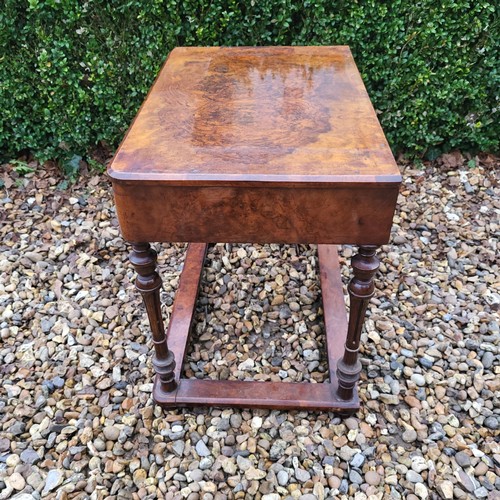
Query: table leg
x=148, y=282
x=361, y=288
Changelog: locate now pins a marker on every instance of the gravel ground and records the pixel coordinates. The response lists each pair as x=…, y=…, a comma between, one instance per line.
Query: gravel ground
x=76, y=416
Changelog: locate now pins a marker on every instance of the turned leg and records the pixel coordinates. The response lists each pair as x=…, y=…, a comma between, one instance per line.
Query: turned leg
x=148, y=282
x=361, y=287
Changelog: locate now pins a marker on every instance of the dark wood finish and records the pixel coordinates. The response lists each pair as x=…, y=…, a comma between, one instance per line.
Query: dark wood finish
x=265, y=114
x=248, y=394
x=361, y=287
x=181, y=318
x=256, y=214
x=258, y=144
x=148, y=282
x=334, y=311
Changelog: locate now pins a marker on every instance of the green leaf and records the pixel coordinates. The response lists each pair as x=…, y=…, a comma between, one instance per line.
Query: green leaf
x=71, y=167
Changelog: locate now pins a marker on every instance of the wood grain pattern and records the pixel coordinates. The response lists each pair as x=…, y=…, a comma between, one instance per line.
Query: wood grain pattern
x=248, y=394
x=179, y=325
x=265, y=114
x=257, y=144
x=255, y=214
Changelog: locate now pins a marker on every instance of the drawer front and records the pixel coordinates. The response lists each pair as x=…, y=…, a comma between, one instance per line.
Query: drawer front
x=336, y=215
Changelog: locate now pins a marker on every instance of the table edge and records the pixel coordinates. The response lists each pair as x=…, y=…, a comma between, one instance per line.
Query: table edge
x=244, y=180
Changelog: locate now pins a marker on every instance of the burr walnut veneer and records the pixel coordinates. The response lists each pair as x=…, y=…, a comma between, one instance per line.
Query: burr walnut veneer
x=268, y=144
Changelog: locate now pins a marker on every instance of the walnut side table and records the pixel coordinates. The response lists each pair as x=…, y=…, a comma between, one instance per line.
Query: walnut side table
x=268, y=144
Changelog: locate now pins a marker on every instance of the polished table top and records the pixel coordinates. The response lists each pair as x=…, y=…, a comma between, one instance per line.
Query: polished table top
x=260, y=114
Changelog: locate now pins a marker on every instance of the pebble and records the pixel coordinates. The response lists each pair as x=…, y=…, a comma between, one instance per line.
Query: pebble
x=53, y=480
x=409, y=436
x=344, y=487
x=372, y=478
x=29, y=456
x=254, y=474
x=201, y=449
x=466, y=481
x=445, y=489
x=111, y=433
x=413, y=477
x=418, y=379
x=492, y=423
x=12, y=460
x=462, y=459
x=481, y=492
x=16, y=481
x=421, y=491
x=358, y=460
x=235, y=420
x=481, y=469
x=302, y=475
x=80, y=397
x=355, y=477
x=282, y=477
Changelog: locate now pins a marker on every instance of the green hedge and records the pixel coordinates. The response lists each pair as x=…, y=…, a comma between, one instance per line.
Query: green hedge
x=74, y=72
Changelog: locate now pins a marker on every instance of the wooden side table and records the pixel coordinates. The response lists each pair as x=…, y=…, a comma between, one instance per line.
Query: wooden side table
x=268, y=144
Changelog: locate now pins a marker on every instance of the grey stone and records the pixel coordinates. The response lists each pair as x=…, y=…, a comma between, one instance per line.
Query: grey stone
x=311, y=355
x=346, y=453
x=54, y=479
x=302, y=475
x=277, y=449
x=58, y=382
x=418, y=379
x=17, y=428
x=389, y=399
x=351, y=423
x=201, y=449
x=344, y=487
x=178, y=447
x=243, y=463
x=409, y=436
x=227, y=451
x=206, y=463
x=426, y=362
x=355, y=477
x=35, y=480
x=174, y=436
x=492, y=423
x=285, y=312
x=466, y=481
x=414, y=477
x=111, y=433
x=235, y=420
x=407, y=353
x=357, y=461
x=196, y=475
x=488, y=359
x=30, y=456
x=223, y=425
x=462, y=459
x=481, y=492
x=4, y=444
x=282, y=477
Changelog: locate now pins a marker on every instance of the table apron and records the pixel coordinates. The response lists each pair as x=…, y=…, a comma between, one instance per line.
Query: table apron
x=336, y=215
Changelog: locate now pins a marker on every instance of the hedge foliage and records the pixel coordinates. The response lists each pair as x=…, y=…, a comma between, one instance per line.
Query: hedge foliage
x=73, y=72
